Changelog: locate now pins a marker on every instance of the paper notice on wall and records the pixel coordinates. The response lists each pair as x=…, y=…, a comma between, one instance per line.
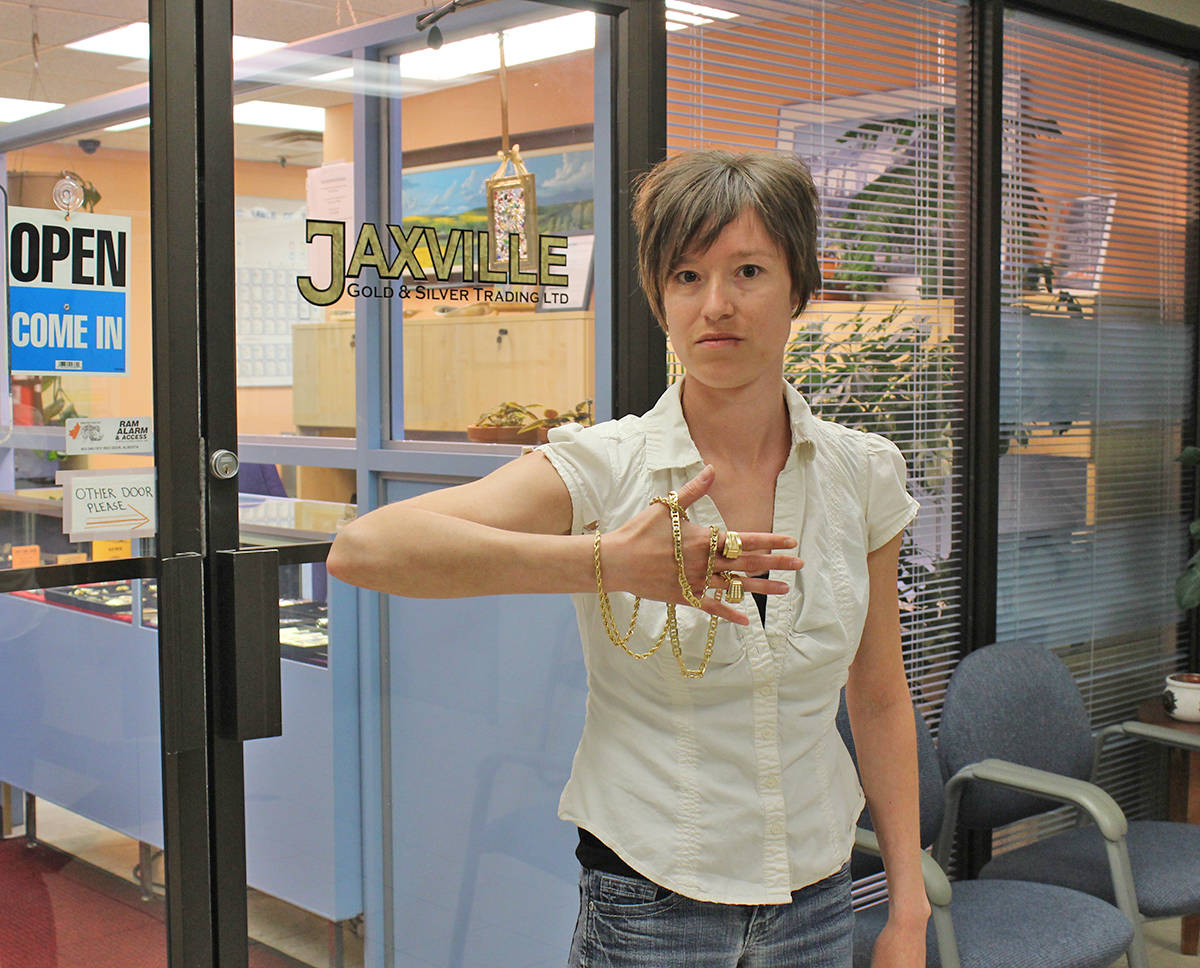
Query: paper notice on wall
x=109, y=503
x=329, y=197
x=110, y=435
x=110, y=550
x=26, y=556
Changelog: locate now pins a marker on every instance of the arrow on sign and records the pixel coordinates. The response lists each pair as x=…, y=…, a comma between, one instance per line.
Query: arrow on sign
x=131, y=517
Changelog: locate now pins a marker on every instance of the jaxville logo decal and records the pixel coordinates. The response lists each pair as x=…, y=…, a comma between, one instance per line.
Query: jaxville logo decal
x=468, y=251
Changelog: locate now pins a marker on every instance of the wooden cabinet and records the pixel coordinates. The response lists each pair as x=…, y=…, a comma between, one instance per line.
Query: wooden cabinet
x=323, y=374
x=455, y=368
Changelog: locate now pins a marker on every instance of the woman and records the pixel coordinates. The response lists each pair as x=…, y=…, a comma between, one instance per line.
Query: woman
x=715, y=801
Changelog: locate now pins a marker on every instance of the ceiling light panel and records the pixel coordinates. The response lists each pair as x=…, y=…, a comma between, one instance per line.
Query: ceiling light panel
x=522, y=45
x=129, y=125
x=15, y=108
x=279, y=114
x=698, y=10
x=133, y=42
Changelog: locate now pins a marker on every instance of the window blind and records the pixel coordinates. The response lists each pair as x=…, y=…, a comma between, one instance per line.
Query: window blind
x=1096, y=369
x=867, y=94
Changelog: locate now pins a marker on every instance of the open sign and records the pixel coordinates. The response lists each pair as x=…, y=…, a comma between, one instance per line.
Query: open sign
x=68, y=284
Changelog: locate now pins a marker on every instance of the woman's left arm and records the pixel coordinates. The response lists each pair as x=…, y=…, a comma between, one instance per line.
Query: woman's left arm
x=881, y=717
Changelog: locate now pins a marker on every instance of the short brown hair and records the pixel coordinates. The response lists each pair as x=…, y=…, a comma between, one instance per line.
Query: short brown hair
x=686, y=201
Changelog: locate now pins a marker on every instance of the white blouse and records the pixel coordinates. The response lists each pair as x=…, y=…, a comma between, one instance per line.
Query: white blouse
x=734, y=787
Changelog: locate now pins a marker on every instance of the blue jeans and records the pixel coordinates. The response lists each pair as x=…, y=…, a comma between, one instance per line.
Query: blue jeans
x=627, y=922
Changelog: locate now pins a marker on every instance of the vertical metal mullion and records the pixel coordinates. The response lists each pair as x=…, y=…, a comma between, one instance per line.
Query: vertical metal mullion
x=983, y=326
x=1191, y=309
x=175, y=236
x=982, y=485
x=639, y=78
x=378, y=364
x=214, y=195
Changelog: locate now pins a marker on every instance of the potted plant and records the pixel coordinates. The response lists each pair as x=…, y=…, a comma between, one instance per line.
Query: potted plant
x=876, y=374
x=581, y=413
x=505, y=423
x=888, y=374
x=1187, y=586
x=894, y=232
x=518, y=423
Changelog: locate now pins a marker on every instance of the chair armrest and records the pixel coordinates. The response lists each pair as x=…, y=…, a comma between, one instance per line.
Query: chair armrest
x=1154, y=733
x=1094, y=801
x=937, y=884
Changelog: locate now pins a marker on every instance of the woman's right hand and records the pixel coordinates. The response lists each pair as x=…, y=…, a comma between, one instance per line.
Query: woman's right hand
x=639, y=557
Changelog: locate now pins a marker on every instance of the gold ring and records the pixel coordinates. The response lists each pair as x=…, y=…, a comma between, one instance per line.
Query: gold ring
x=733, y=545
x=735, y=593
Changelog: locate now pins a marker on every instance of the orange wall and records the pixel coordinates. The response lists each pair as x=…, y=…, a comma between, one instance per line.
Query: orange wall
x=123, y=180
x=550, y=94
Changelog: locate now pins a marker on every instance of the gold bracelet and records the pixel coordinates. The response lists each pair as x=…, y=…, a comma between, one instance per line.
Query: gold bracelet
x=610, y=625
x=698, y=672
x=678, y=515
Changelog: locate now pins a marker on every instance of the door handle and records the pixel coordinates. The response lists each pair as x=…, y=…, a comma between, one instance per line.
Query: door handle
x=248, y=626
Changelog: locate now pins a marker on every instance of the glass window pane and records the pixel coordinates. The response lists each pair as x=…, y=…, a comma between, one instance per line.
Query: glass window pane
x=81, y=818
x=495, y=337
x=1098, y=164
x=881, y=346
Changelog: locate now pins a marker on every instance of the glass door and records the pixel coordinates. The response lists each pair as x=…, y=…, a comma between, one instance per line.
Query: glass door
x=416, y=213
x=108, y=757
x=206, y=378
x=141, y=638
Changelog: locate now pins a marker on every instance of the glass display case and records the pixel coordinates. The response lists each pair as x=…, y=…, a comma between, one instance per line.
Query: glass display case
x=72, y=654
x=31, y=534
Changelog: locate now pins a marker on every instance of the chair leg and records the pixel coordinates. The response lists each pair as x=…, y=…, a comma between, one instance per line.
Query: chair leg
x=1122, y=876
x=30, y=820
x=943, y=929
x=1189, y=934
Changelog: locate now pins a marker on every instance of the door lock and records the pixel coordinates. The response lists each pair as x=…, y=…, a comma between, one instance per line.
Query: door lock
x=223, y=464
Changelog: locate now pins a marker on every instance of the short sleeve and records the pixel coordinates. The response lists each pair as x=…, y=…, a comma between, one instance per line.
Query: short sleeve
x=582, y=456
x=890, y=508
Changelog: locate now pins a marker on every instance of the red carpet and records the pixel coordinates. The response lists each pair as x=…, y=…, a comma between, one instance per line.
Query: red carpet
x=56, y=912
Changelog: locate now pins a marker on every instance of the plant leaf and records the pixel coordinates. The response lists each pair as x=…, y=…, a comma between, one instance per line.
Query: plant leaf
x=1187, y=589
x=1190, y=456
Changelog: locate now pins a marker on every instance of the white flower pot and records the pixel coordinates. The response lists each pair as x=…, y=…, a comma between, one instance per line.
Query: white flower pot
x=1181, y=698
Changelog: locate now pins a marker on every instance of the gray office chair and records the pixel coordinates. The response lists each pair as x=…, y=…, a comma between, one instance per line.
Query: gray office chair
x=1014, y=717
x=986, y=924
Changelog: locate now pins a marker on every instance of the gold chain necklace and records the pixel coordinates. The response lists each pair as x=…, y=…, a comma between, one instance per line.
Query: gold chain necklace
x=678, y=515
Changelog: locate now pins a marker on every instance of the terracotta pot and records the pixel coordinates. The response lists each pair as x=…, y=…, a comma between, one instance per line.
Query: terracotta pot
x=484, y=435
x=504, y=435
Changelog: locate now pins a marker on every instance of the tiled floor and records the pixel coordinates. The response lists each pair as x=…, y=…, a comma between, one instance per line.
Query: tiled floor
x=306, y=936
x=284, y=927
x=1162, y=944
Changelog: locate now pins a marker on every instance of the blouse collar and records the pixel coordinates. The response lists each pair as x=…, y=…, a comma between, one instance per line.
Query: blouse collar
x=669, y=444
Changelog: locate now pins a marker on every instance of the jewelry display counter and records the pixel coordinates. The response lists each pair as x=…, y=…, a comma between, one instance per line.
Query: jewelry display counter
x=79, y=704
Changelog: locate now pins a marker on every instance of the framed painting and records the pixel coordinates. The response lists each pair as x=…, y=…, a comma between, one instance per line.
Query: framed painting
x=453, y=195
